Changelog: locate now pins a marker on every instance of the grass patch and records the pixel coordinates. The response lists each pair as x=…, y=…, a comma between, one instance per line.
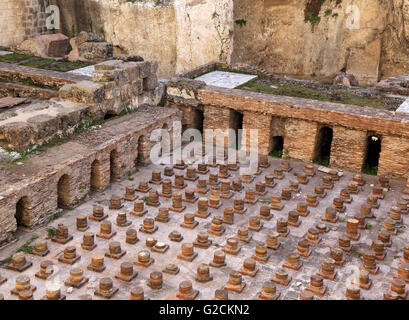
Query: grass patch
x=292, y=90
x=322, y=161
x=56, y=216
x=276, y=153
x=51, y=232
x=14, y=58
x=61, y=65
x=41, y=63
x=27, y=247
x=373, y=171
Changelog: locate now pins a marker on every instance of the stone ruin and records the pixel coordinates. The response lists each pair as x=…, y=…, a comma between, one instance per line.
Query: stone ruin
x=79, y=195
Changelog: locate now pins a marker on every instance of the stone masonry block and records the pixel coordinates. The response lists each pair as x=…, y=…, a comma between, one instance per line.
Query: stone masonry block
x=150, y=83
x=19, y=134
x=88, y=92
x=46, y=125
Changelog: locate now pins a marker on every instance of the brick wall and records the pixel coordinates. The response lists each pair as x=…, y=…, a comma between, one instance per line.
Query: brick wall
x=252, y=120
x=41, y=191
x=394, y=160
x=21, y=19
x=348, y=148
x=216, y=118
x=298, y=121
x=299, y=139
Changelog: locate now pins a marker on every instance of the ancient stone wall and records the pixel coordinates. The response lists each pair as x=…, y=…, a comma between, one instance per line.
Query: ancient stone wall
x=76, y=161
x=181, y=34
x=117, y=86
x=22, y=19
x=298, y=121
x=275, y=34
x=271, y=33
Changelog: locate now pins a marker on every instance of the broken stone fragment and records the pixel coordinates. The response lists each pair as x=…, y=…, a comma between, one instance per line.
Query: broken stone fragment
x=128, y=58
x=150, y=83
x=86, y=37
x=345, y=79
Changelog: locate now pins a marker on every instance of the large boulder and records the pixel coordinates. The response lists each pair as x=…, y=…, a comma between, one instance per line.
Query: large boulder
x=46, y=46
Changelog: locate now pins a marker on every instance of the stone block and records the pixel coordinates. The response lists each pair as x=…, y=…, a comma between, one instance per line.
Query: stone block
x=71, y=117
x=96, y=50
x=86, y=37
x=129, y=58
x=109, y=65
x=66, y=92
x=19, y=134
x=87, y=92
x=150, y=83
x=46, y=125
x=56, y=45
x=145, y=68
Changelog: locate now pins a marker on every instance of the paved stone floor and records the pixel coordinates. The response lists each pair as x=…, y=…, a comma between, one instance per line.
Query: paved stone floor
x=86, y=71
x=223, y=79
x=300, y=279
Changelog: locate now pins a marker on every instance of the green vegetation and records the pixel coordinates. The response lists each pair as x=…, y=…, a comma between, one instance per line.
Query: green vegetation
x=312, y=11
x=27, y=247
x=51, y=232
x=322, y=161
x=373, y=171
x=276, y=153
x=287, y=154
x=328, y=12
x=292, y=90
x=14, y=58
x=241, y=22
x=56, y=216
x=41, y=63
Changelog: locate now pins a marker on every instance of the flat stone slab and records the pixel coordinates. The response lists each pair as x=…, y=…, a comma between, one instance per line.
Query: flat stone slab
x=9, y=102
x=86, y=71
x=5, y=53
x=229, y=80
x=404, y=107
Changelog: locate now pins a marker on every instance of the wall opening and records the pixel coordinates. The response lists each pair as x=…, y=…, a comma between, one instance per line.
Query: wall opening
x=373, y=152
x=22, y=212
x=198, y=119
x=63, y=191
x=277, y=146
x=323, y=146
x=110, y=115
x=96, y=175
x=114, y=166
x=236, y=123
